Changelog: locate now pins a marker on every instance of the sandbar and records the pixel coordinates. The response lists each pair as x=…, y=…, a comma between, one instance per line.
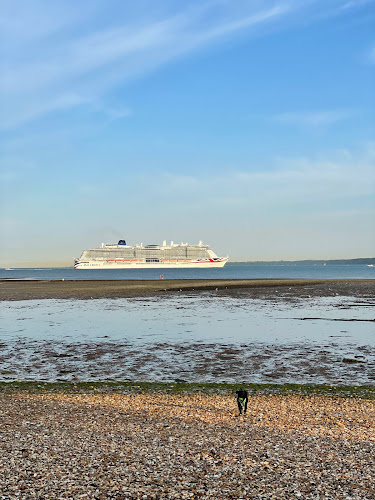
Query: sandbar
x=96, y=289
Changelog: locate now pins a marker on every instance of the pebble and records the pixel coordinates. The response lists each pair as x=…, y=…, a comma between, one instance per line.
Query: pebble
x=157, y=446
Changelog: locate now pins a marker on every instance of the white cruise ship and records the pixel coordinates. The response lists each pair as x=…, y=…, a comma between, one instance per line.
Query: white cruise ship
x=123, y=256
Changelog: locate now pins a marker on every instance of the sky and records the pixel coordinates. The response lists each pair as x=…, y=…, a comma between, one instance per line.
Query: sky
x=248, y=124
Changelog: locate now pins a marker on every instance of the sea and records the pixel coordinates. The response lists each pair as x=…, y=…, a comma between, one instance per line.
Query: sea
x=232, y=270
x=206, y=336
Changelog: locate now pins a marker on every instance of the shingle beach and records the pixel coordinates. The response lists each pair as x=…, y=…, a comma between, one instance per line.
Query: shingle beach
x=185, y=446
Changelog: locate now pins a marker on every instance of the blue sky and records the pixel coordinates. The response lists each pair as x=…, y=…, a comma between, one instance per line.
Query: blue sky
x=246, y=124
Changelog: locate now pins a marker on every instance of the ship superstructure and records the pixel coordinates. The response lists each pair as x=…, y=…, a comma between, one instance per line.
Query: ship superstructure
x=122, y=256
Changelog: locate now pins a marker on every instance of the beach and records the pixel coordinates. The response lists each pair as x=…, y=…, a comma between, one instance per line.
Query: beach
x=113, y=440
x=162, y=446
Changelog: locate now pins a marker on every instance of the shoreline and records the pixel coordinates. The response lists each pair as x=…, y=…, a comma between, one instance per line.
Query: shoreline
x=16, y=290
x=185, y=388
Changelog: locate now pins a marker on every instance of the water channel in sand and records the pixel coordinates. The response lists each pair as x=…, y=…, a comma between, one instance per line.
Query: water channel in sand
x=199, y=337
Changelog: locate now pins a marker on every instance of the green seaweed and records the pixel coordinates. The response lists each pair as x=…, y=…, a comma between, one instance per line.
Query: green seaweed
x=182, y=387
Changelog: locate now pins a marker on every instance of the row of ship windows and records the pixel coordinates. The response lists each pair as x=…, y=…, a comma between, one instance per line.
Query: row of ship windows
x=156, y=255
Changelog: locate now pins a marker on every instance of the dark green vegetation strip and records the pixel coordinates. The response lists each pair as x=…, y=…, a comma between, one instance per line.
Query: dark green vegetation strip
x=181, y=387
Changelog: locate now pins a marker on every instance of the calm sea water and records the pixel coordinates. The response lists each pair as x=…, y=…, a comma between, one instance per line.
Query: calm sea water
x=230, y=271
x=205, y=337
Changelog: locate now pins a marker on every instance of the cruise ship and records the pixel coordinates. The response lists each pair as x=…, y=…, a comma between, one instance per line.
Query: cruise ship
x=123, y=256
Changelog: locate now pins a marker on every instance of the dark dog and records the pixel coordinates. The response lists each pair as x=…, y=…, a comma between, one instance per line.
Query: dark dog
x=242, y=398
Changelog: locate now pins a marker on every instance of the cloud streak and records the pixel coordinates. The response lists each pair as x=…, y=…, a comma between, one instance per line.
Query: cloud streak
x=291, y=182
x=313, y=118
x=79, y=69
x=48, y=67
x=353, y=4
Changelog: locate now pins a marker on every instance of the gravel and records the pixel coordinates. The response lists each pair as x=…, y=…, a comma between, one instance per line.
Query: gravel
x=158, y=446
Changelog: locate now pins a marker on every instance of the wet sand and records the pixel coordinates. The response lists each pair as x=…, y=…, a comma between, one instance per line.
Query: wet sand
x=334, y=361
x=59, y=340
x=96, y=289
x=159, y=446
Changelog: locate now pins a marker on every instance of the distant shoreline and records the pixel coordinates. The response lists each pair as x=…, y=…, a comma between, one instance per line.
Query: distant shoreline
x=96, y=289
x=309, y=262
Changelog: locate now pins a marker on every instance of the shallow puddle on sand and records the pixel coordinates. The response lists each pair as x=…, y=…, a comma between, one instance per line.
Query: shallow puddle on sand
x=191, y=337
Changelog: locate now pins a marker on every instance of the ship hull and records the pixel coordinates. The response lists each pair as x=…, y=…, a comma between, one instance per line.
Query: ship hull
x=153, y=265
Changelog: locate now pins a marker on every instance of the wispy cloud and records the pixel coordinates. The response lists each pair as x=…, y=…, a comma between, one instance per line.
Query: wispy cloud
x=371, y=55
x=57, y=56
x=313, y=118
x=340, y=175
x=353, y=4
x=111, y=112
x=56, y=69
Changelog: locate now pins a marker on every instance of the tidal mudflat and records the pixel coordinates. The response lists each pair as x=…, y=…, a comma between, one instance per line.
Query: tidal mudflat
x=315, y=333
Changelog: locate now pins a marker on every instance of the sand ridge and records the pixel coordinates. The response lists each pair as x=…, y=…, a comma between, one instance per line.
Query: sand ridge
x=90, y=289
